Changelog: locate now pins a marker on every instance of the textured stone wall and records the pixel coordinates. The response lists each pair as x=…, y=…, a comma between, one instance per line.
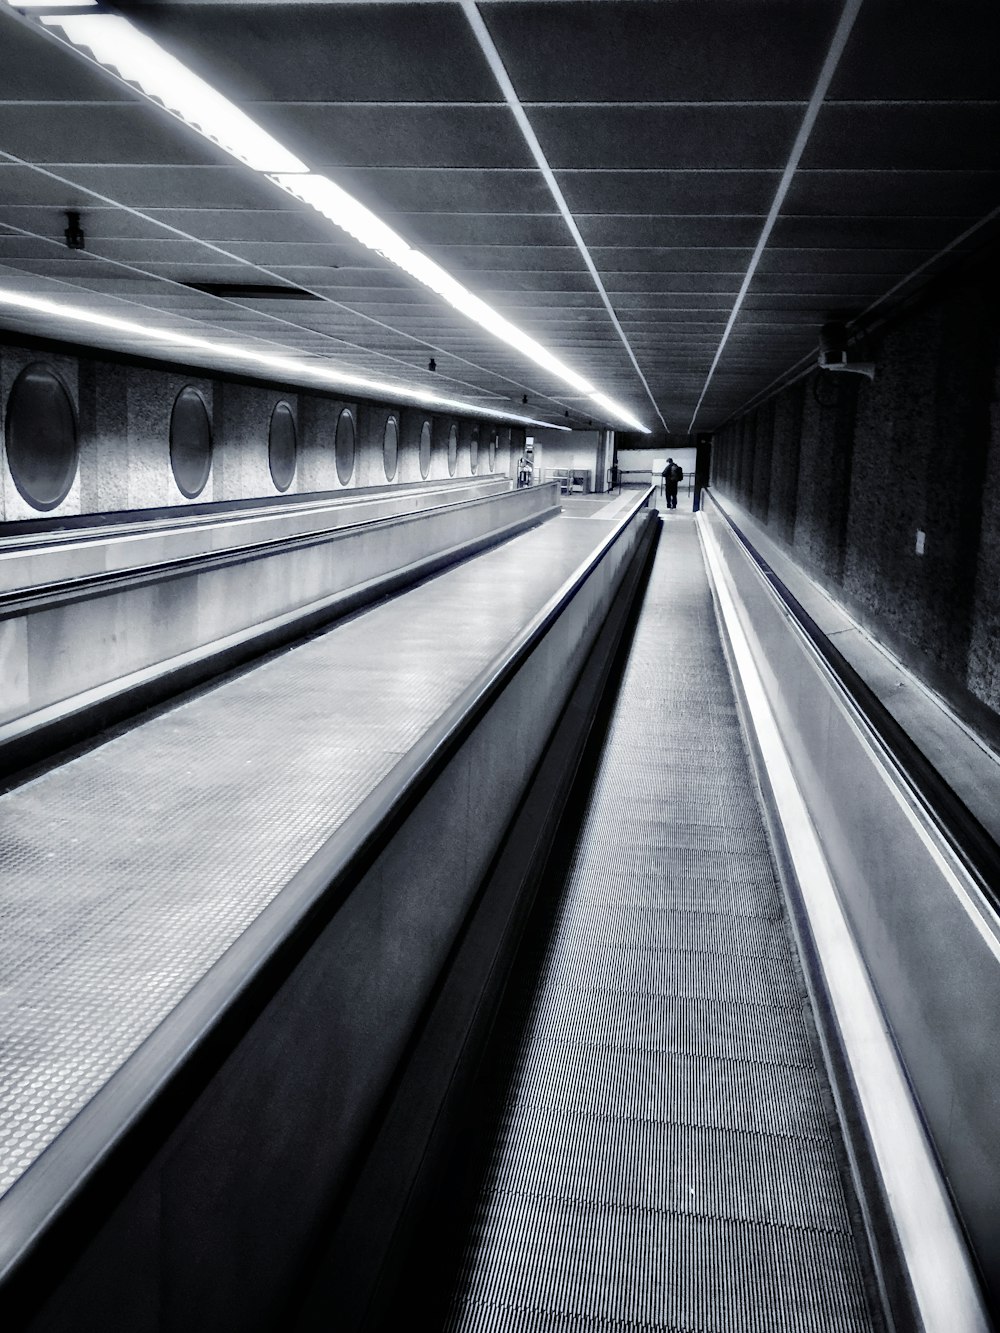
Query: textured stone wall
x=984, y=655
x=786, y=426
x=821, y=501
x=760, y=490
x=853, y=476
x=123, y=416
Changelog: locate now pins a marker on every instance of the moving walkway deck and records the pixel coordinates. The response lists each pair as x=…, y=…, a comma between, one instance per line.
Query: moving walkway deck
x=129, y=871
x=666, y=1155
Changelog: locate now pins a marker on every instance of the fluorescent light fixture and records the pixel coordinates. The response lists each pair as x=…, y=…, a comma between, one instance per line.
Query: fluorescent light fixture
x=288, y=368
x=614, y=410
x=138, y=60
x=50, y=4
x=111, y=41
x=351, y=216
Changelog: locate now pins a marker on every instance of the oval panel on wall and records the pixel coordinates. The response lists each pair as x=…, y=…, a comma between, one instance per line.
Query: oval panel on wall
x=425, y=449
x=190, y=442
x=390, y=448
x=474, y=450
x=282, y=446
x=493, y=450
x=452, y=450
x=344, y=447
x=41, y=437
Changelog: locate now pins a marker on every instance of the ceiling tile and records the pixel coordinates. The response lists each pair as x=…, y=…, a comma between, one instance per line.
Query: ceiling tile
x=326, y=53
x=329, y=138
x=911, y=193
x=666, y=137
x=131, y=134
x=684, y=50
x=921, y=49
x=910, y=137
x=668, y=123
x=710, y=192
x=395, y=190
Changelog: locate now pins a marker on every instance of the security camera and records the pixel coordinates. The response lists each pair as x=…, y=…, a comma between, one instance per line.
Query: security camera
x=833, y=352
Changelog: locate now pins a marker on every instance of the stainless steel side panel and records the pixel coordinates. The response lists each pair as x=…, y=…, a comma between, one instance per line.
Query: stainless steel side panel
x=930, y=941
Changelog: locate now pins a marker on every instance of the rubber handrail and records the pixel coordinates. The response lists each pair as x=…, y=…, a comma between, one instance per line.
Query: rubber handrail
x=970, y=842
x=154, y=518
x=86, y=1169
x=61, y=592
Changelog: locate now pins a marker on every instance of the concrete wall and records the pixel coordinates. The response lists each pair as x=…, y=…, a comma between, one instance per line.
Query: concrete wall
x=123, y=420
x=577, y=449
x=846, y=473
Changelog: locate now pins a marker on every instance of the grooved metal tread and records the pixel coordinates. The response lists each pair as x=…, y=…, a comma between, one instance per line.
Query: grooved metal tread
x=129, y=871
x=666, y=1157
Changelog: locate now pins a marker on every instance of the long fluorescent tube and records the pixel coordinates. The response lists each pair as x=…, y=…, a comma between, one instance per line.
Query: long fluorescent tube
x=619, y=412
x=138, y=60
x=288, y=368
x=114, y=43
x=360, y=222
x=50, y=4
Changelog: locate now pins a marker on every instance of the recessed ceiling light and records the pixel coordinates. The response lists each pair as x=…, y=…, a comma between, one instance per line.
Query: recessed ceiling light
x=112, y=42
x=294, y=369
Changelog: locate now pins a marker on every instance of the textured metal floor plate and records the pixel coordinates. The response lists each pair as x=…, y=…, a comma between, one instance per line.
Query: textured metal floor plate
x=664, y=1157
x=129, y=871
x=629, y=1020
x=710, y=1273
x=689, y=1089
x=784, y=1181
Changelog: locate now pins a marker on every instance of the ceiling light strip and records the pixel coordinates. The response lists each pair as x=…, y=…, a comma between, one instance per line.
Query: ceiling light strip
x=287, y=368
x=340, y=340
x=139, y=61
x=346, y=212
x=843, y=30
x=112, y=42
x=513, y=101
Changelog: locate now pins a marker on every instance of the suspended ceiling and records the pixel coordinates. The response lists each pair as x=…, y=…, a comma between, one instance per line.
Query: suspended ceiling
x=737, y=172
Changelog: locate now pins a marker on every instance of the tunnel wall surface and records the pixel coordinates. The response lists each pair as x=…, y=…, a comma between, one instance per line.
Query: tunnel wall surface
x=122, y=416
x=846, y=474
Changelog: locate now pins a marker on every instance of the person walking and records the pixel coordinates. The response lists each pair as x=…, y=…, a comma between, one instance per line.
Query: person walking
x=671, y=474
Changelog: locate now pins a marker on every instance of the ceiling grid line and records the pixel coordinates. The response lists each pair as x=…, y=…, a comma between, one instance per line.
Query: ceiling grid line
x=841, y=33
x=488, y=47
